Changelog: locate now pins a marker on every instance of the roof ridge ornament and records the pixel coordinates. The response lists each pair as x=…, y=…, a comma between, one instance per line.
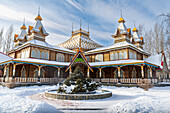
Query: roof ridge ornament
x=38, y=17
x=80, y=24
x=39, y=10
x=121, y=18
x=23, y=26
x=135, y=29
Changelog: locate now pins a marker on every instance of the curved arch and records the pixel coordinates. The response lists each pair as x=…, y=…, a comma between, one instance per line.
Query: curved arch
x=38, y=54
x=125, y=54
x=42, y=55
x=120, y=55
x=46, y=55
x=33, y=53
x=112, y=55
x=116, y=56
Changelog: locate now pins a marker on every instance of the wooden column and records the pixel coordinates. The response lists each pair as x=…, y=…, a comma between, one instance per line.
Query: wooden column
x=58, y=72
x=14, y=68
x=39, y=72
x=5, y=68
x=118, y=68
x=150, y=72
x=100, y=72
x=88, y=72
x=70, y=72
x=142, y=71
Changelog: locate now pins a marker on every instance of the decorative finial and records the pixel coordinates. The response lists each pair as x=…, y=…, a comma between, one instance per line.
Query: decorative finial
x=72, y=27
x=24, y=22
x=80, y=24
x=88, y=27
x=121, y=12
x=134, y=23
x=39, y=11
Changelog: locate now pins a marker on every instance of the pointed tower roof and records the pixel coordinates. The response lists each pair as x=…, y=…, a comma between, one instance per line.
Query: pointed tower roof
x=38, y=26
x=136, y=35
x=23, y=26
x=121, y=20
x=38, y=17
x=79, y=58
x=121, y=27
x=23, y=32
x=80, y=38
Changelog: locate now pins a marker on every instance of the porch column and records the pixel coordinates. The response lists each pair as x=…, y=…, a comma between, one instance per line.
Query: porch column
x=39, y=73
x=70, y=72
x=14, y=68
x=88, y=73
x=118, y=68
x=100, y=72
x=118, y=72
x=142, y=71
x=150, y=72
x=58, y=72
x=5, y=68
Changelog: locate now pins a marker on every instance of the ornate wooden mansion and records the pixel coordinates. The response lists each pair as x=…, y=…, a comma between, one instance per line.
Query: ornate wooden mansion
x=34, y=60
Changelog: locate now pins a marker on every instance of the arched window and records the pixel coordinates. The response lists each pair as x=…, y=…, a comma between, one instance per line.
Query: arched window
x=42, y=54
x=122, y=73
x=120, y=55
x=125, y=55
x=134, y=72
x=57, y=57
x=71, y=58
x=115, y=73
x=42, y=73
x=46, y=55
x=112, y=56
x=38, y=54
x=87, y=57
x=56, y=74
x=60, y=57
x=134, y=55
x=33, y=53
x=116, y=56
x=23, y=72
x=99, y=58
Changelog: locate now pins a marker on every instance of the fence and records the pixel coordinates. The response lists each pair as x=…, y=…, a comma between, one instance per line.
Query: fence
x=103, y=80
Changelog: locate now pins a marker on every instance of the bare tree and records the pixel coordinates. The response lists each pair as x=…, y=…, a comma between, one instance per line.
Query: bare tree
x=1, y=38
x=141, y=29
x=156, y=35
x=8, y=40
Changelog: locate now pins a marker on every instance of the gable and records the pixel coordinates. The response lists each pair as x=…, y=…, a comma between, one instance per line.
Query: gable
x=79, y=58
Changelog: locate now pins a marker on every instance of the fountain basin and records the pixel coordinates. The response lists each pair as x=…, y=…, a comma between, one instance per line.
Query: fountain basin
x=99, y=94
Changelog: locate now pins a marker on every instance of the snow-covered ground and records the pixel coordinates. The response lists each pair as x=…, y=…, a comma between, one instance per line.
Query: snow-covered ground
x=31, y=99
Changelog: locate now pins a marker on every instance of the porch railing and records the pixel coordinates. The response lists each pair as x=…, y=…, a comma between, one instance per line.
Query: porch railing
x=103, y=80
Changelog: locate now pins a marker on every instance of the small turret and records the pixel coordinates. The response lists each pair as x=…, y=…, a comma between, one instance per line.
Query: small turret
x=137, y=40
x=22, y=37
x=122, y=33
x=37, y=31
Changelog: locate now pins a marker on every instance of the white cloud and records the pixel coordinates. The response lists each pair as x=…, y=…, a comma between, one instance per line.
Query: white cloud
x=55, y=39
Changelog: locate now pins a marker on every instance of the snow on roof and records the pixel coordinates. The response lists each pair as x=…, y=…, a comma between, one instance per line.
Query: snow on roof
x=4, y=57
x=116, y=45
x=41, y=61
x=136, y=36
x=122, y=28
x=155, y=59
x=43, y=44
x=79, y=41
x=38, y=26
x=22, y=34
x=117, y=62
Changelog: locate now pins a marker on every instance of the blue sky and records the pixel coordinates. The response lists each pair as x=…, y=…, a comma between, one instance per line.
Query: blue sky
x=102, y=15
